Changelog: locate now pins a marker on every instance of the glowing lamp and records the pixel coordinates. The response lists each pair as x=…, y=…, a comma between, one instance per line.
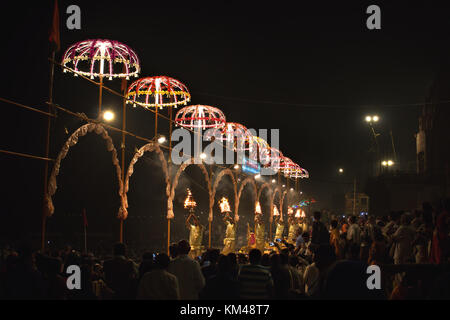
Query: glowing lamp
x=224, y=205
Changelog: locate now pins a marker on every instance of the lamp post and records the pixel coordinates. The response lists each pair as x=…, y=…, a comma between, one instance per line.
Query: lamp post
x=371, y=120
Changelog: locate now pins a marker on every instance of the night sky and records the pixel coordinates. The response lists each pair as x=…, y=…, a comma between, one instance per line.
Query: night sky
x=312, y=70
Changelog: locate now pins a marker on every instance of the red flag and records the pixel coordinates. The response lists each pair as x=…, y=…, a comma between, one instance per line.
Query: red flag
x=54, y=31
x=85, y=222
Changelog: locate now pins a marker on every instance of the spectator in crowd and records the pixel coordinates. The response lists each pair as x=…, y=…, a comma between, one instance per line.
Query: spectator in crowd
x=354, y=232
x=120, y=273
x=188, y=273
x=403, y=240
x=315, y=272
x=147, y=263
x=319, y=232
x=209, y=270
x=22, y=280
x=233, y=265
x=378, y=250
x=255, y=281
x=334, y=239
x=158, y=284
x=222, y=285
x=173, y=251
x=440, y=248
x=281, y=276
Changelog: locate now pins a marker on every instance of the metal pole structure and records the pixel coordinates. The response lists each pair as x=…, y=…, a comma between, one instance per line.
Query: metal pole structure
x=124, y=117
x=85, y=239
x=156, y=122
x=170, y=132
x=393, y=147
x=209, y=235
x=47, y=149
x=354, y=196
x=100, y=97
x=168, y=237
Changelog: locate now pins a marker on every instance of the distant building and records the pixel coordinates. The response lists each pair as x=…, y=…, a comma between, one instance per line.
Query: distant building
x=361, y=203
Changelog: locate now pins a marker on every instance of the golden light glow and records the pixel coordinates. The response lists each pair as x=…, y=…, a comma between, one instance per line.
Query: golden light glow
x=224, y=205
x=108, y=115
x=275, y=211
x=290, y=211
x=297, y=213
x=189, y=202
x=258, y=208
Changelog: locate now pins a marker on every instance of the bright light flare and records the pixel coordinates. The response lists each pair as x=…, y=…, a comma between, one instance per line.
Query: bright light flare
x=108, y=116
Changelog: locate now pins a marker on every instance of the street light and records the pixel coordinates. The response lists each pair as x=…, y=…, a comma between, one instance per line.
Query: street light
x=108, y=115
x=236, y=167
x=371, y=119
x=387, y=163
x=341, y=170
x=274, y=181
x=203, y=156
x=161, y=139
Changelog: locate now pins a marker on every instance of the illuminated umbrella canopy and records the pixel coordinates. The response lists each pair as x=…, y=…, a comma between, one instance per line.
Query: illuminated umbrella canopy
x=298, y=172
x=200, y=116
x=275, y=157
x=158, y=91
x=260, y=147
x=232, y=132
x=286, y=165
x=102, y=58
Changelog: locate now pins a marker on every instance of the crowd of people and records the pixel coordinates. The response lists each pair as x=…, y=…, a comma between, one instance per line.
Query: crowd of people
x=323, y=262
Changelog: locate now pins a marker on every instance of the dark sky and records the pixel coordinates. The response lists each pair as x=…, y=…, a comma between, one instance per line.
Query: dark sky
x=312, y=70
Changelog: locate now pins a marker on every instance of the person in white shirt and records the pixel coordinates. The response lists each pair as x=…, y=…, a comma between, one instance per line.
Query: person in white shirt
x=354, y=231
x=159, y=284
x=188, y=273
x=403, y=240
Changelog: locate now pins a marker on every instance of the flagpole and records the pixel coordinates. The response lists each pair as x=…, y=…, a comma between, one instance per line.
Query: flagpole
x=54, y=38
x=47, y=150
x=85, y=239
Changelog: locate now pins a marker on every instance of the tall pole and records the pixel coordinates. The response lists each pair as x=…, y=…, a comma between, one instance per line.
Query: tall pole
x=393, y=146
x=124, y=117
x=156, y=122
x=100, y=96
x=168, y=236
x=85, y=239
x=47, y=149
x=354, y=196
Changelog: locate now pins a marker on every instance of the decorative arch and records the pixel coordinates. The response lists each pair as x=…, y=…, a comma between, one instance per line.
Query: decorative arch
x=248, y=180
x=263, y=186
x=274, y=193
x=219, y=177
x=73, y=140
x=149, y=147
x=185, y=164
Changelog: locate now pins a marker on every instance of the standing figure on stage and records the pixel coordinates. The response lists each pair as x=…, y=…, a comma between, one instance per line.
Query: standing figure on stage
x=230, y=235
x=195, y=235
x=259, y=233
x=279, y=229
x=251, y=240
x=294, y=226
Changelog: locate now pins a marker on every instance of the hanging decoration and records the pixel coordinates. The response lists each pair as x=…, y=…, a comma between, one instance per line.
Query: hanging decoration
x=101, y=58
x=159, y=92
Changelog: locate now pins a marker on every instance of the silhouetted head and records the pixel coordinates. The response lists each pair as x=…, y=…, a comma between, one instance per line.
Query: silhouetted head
x=254, y=256
x=119, y=249
x=184, y=247
x=162, y=261
x=173, y=250
x=317, y=215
